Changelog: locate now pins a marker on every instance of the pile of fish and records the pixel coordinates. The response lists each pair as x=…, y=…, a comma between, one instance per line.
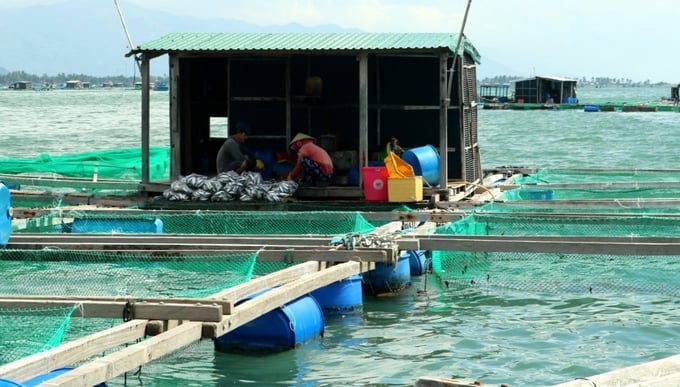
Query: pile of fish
x=229, y=186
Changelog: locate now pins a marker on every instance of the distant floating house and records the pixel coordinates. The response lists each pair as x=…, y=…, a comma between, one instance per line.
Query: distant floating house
x=545, y=90
x=494, y=92
x=22, y=85
x=73, y=84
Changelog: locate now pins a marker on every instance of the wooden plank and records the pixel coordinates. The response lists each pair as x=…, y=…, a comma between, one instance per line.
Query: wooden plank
x=71, y=352
x=413, y=243
x=572, y=245
x=568, y=244
x=108, y=367
x=218, y=252
x=76, y=299
x=277, y=278
x=371, y=254
x=417, y=215
x=409, y=244
x=152, y=239
x=603, y=185
x=555, y=214
x=279, y=296
x=143, y=246
x=662, y=372
x=412, y=216
x=112, y=309
x=584, y=204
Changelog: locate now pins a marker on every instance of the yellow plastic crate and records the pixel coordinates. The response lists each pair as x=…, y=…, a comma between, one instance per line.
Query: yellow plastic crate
x=405, y=189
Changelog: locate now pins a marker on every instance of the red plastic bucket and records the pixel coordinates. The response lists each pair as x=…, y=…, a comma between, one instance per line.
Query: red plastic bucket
x=375, y=183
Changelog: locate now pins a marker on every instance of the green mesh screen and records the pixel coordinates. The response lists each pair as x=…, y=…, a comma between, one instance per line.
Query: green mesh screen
x=552, y=206
x=576, y=176
x=107, y=164
x=218, y=222
x=21, y=335
x=535, y=185
x=543, y=272
x=590, y=193
x=88, y=273
x=52, y=272
x=96, y=273
x=101, y=173
x=491, y=224
x=559, y=273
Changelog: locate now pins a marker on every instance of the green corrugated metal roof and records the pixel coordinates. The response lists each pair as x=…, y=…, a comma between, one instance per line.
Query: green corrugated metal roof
x=371, y=42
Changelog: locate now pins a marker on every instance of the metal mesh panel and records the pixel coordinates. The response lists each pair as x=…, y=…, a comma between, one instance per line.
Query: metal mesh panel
x=472, y=168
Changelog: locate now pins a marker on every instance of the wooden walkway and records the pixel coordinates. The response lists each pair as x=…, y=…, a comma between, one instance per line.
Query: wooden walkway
x=175, y=322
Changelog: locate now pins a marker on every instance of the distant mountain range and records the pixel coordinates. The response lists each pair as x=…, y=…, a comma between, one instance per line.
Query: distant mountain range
x=87, y=37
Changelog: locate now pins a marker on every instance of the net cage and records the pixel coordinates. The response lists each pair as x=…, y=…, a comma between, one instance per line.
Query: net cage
x=593, y=184
x=54, y=272
x=594, y=193
x=577, y=176
x=103, y=173
x=198, y=222
x=123, y=164
x=559, y=273
x=76, y=273
x=613, y=207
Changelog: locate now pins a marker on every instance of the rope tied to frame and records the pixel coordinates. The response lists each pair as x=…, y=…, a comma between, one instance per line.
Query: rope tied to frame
x=128, y=311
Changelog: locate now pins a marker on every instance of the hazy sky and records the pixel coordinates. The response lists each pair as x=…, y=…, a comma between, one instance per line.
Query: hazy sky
x=618, y=38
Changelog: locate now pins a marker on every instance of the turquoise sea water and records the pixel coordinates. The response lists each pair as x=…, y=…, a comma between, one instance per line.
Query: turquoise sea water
x=478, y=333
x=578, y=139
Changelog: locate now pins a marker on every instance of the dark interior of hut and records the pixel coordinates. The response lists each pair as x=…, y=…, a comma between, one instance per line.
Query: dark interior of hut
x=403, y=102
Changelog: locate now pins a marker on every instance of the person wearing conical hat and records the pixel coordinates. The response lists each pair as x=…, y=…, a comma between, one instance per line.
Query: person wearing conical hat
x=314, y=164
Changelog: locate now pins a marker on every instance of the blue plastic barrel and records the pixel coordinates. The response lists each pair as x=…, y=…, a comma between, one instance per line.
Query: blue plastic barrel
x=5, y=215
x=418, y=262
x=425, y=163
x=9, y=383
x=341, y=297
x=45, y=377
x=281, y=329
x=591, y=108
x=282, y=169
x=388, y=277
x=37, y=380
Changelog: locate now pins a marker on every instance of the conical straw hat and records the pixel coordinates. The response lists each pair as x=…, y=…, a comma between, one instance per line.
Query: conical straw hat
x=299, y=137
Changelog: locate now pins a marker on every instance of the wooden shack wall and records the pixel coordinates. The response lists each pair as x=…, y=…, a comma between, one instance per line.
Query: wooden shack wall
x=404, y=102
